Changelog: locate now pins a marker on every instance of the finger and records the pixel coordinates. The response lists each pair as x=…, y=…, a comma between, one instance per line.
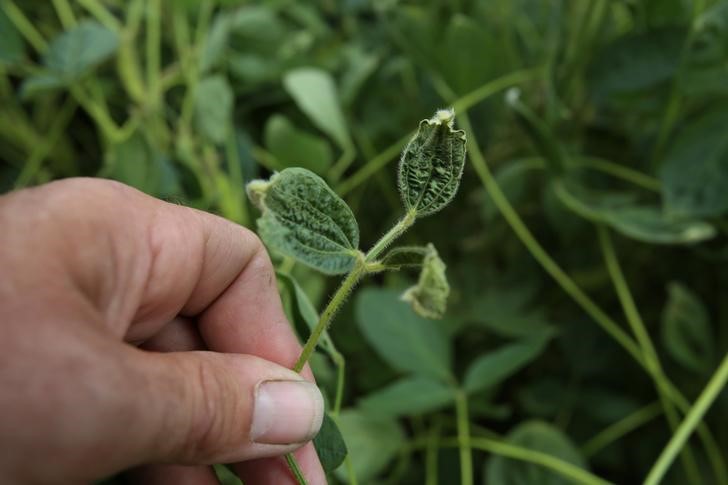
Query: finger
x=176, y=474
x=205, y=407
x=274, y=471
x=179, y=335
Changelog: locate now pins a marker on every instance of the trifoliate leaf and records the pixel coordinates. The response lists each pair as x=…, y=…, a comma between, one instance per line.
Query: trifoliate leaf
x=305, y=219
x=429, y=296
x=432, y=164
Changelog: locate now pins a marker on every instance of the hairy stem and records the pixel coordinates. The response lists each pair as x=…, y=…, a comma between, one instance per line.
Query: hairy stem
x=693, y=418
x=295, y=469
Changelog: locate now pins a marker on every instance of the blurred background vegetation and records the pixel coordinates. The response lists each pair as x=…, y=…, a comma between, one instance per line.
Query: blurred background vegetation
x=594, y=198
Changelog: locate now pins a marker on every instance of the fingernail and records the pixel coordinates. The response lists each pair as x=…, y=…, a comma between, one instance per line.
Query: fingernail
x=286, y=412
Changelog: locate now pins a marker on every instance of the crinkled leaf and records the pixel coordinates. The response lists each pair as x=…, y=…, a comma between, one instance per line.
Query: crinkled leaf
x=330, y=445
x=314, y=92
x=429, y=296
x=74, y=52
x=406, y=341
x=686, y=331
x=432, y=164
x=410, y=396
x=694, y=173
x=541, y=437
x=303, y=218
x=214, y=108
x=374, y=441
x=492, y=368
x=296, y=148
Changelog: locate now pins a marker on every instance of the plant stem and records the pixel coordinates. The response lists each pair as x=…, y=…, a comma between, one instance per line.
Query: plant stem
x=692, y=419
x=538, y=252
x=397, y=230
x=24, y=26
x=466, y=457
x=65, y=13
x=102, y=14
x=333, y=306
x=620, y=171
x=563, y=468
x=431, y=453
x=153, y=51
x=295, y=469
x=622, y=427
x=645, y=342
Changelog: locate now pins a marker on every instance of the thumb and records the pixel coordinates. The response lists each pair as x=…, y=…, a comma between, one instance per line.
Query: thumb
x=207, y=407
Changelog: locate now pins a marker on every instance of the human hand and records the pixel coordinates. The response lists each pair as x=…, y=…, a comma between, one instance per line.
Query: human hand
x=138, y=332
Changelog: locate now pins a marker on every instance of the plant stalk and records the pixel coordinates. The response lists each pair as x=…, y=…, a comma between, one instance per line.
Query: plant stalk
x=693, y=418
x=466, y=456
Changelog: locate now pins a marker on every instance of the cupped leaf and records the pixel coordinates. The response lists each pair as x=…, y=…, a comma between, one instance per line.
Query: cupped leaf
x=429, y=296
x=537, y=436
x=374, y=441
x=410, y=396
x=492, y=368
x=405, y=257
x=432, y=164
x=314, y=92
x=686, y=331
x=303, y=218
x=330, y=446
x=406, y=341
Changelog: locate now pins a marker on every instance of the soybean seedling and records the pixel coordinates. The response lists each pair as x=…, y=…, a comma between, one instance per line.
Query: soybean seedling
x=301, y=217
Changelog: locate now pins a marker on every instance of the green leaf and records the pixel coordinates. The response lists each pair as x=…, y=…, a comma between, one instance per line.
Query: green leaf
x=411, y=396
x=405, y=340
x=374, y=441
x=642, y=222
x=314, y=92
x=296, y=148
x=429, y=296
x=330, y=445
x=214, y=108
x=686, y=331
x=492, y=368
x=432, y=164
x=538, y=436
x=136, y=163
x=12, y=49
x=636, y=62
x=40, y=83
x=305, y=219
x=694, y=173
x=74, y=52
x=405, y=257
x=216, y=42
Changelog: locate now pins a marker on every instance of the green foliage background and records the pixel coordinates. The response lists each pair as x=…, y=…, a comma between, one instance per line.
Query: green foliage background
x=609, y=161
